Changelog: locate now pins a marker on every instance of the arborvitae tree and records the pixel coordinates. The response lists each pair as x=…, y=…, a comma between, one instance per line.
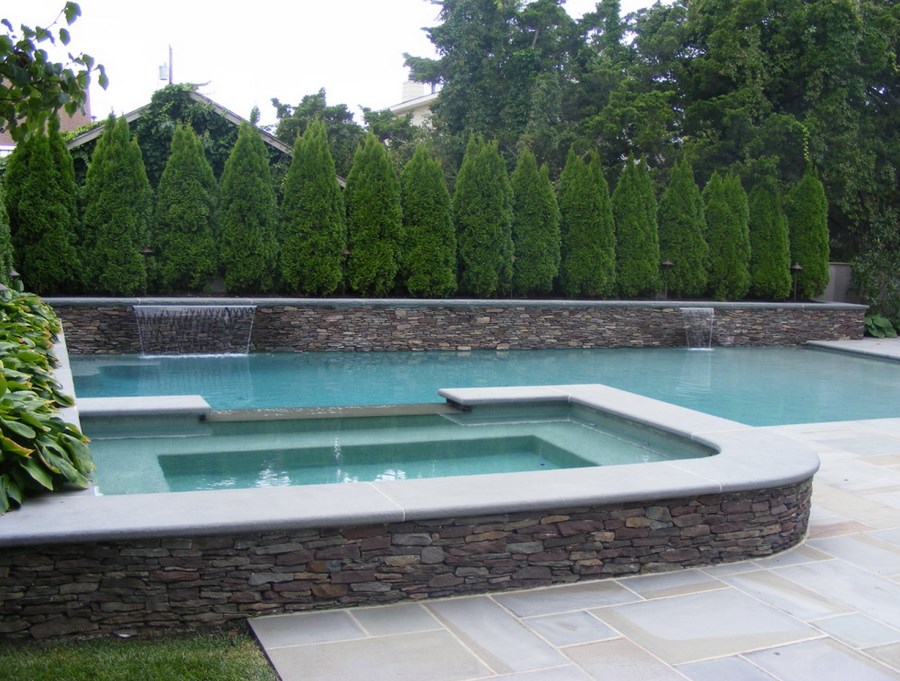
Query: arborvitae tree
x=183, y=235
x=248, y=250
x=770, y=253
x=6, y=247
x=43, y=245
x=588, y=264
x=637, y=240
x=313, y=233
x=728, y=236
x=374, y=220
x=429, y=257
x=118, y=206
x=535, y=228
x=682, y=226
x=807, y=214
x=482, y=215
x=68, y=188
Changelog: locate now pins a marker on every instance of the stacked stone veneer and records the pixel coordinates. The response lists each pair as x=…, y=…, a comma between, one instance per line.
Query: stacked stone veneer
x=168, y=583
x=352, y=325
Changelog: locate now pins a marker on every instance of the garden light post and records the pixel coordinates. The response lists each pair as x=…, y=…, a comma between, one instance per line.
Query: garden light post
x=796, y=269
x=666, y=265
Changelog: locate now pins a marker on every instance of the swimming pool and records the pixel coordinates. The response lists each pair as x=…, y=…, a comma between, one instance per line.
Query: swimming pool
x=754, y=386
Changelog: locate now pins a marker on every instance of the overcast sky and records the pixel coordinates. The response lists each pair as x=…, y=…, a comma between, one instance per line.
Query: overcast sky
x=264, y=49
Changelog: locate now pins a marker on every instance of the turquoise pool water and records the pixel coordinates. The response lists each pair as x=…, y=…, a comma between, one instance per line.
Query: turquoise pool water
x=756, y=386
x=134, y=456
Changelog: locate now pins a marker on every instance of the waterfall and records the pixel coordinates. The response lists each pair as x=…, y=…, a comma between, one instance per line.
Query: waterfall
x=194, y=329
x=698, y=326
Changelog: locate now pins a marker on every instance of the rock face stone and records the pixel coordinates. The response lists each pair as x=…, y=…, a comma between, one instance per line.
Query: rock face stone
x=145, y=585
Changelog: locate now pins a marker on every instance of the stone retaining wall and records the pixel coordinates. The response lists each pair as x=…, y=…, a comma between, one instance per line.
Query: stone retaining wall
x=109, y=326
x=185, y=583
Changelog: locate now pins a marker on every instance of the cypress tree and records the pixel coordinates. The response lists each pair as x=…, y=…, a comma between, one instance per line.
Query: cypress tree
x=6, y=247
x=374, y=220
x=535, y=228
x=247, y=216
x=41, y=237
x=637, y=240
x=726, y=209
x=807, y=214
x=482, y=215
x=770, y=255
x=682, y=226
x=118, y=205
x=68, y=192
x=429, y=260
x=184, y=221
x=313, y=233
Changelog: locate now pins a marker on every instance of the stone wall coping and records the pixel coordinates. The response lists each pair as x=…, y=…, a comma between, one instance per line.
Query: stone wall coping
x=748, y=459
x=155, y=405
x=444, y=302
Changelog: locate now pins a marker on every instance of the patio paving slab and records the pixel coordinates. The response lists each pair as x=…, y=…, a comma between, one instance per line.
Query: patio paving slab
x=858, y=631
x=820, y=660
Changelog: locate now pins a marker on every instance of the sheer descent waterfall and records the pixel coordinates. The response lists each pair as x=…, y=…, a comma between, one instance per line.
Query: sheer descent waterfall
x=699, y=322
x=194, y=329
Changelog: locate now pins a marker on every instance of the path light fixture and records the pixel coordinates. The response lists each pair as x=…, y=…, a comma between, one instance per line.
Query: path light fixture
x=796, y=269
x=146, y=251
x=666, y=265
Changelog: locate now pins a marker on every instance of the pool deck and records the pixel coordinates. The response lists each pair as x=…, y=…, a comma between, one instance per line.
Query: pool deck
x=827, y=609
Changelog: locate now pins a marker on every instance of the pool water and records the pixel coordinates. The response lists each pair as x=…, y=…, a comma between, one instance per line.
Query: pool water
x=135, y=456
x=755, y=386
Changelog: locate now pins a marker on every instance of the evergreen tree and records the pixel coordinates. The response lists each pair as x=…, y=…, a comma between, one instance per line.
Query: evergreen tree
x=535, y=228
x=429, y=261
x=482, y=215
x=637, y=240
x=727, y=233
x=374, y=220
x=118, y=205
x=68, y=192
x=247, y=216
x=313, y=234
x=6, y=247
x=42, y=242
x=184, y=222
x=807, y=214
x=770, y=254
x=682, y=226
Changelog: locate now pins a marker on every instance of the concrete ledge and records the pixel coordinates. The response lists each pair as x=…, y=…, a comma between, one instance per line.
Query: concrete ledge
x=161, y=405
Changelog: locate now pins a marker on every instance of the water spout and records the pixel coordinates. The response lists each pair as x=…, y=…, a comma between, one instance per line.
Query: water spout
x=699, y=322
x=194, y=329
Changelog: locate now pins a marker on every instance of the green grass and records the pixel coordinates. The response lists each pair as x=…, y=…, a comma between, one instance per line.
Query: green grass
x=199, y=658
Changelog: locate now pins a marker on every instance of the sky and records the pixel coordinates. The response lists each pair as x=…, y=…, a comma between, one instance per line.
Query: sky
x=270, y=48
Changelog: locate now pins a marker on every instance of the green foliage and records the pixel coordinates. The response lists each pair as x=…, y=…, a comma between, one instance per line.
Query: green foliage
x=875, y=269
x=588, y=256
x=770, y=256
x=727, y=216
x=806, y=209
x=429, y=258
x=535, y=228
x=879, y=326
x=33, y=88
x=41, y=236
x=68, y=192
x=247, y=217
x=38, y=450
x=183, y=234
x=397, y=133
x=482, y=216
x=637, y=240
x=374, y=221
x=313, y=234
x=6, y=247
x=118, y=206
x=682, y=226
x=344, y=135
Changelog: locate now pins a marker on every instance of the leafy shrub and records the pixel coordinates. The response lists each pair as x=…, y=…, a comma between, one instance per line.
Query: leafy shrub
x=38, y=450
x=879, y=326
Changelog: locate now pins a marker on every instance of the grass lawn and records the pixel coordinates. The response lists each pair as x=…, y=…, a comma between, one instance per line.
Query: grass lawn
x=199, y=658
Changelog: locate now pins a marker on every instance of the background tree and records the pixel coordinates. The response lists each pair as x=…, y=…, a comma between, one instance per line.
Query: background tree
x=6, y=247
x=183, y=234
x=588, y=258
x=637, y=240
x=535, y=228
x=682, y=227
x=429, y=254
x=247, y=217
x=118, y=206
x=806, y=209
x=482, y=216
x=398, y=134
x=728, y=236
x=313, y=233
x=374, y=221
x=770, y=253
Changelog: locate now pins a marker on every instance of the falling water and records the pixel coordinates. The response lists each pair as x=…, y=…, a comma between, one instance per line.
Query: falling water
x=194, y=329
x=698, y=326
